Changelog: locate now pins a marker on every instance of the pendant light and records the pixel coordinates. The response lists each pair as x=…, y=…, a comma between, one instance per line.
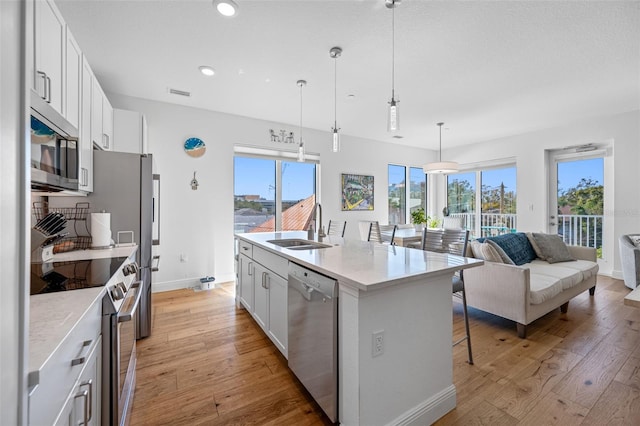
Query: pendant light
x=441, y=167
x=335, y=53
x=393, y=114
x=301, y=84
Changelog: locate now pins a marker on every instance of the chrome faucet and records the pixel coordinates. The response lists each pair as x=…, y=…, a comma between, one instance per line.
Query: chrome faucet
x=319, y=228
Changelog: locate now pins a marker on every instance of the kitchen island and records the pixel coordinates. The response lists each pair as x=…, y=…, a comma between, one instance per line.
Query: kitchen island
x=402, y=294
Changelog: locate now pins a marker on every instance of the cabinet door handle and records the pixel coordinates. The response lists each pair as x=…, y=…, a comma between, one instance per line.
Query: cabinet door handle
x=157, y=267
x=48, y=89
x=90, y=384
x=44, y=84
x=249, y=268
x=245, y=248
x=82, y=358
x=105, y=141
x=267, y=281
x=84, y=394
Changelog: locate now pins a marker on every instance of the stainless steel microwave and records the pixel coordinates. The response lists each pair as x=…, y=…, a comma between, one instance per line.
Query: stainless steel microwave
x=54, y=149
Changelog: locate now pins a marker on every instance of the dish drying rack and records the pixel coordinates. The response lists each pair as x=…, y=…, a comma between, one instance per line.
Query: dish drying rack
x=78, y=214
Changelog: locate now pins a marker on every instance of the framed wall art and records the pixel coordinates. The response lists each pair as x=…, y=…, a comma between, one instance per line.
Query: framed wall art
x=357, y=192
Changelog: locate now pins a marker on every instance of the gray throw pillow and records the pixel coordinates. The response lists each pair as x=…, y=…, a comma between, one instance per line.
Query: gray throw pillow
x=535, y=246
x=552, y=248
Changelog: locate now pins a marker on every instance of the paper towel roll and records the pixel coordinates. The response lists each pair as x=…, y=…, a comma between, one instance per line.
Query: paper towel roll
x=100, y=229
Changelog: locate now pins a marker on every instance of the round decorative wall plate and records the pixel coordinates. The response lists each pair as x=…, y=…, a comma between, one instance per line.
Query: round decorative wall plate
x=194, y=147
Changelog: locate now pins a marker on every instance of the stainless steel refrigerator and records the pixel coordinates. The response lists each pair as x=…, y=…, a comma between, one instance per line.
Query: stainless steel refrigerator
x=125, y=186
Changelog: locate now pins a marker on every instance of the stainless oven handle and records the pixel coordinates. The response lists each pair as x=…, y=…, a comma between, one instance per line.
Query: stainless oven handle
x=84, y=394
x=127, y=316
x=81, y=359
x=90, y=384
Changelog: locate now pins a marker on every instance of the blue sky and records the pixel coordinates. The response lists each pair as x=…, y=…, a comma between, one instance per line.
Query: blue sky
x=257, y=176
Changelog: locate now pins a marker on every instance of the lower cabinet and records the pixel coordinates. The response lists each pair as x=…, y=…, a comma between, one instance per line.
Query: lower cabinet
x=262, y=289
x=83, y=404
x=245, y=286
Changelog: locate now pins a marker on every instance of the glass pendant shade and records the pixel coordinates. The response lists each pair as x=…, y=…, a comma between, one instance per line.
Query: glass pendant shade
x=393, y=116
x=301, y=152
x=301, y=84
x=336, y=140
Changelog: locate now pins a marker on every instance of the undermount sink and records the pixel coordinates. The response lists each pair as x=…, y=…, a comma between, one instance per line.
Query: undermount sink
x=298, y=244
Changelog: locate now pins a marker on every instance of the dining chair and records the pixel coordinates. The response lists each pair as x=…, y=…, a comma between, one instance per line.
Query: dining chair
x=388, y=233
x=336, y=228
x=452, y=241
x=375, y=236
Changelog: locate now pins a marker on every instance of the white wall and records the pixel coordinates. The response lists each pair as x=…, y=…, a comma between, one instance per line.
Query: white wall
x=199, y=223
x=622, y=216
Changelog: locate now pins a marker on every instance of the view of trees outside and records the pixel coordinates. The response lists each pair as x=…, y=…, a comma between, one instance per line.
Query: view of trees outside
x=417, y=189
x=461, y=192
x=397, y=194
x=499, y=191
x=255, y=190
x=581, y=202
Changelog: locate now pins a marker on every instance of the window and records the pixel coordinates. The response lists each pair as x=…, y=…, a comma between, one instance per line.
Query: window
x=402, y=199
x=273, y=194
x=486, y=199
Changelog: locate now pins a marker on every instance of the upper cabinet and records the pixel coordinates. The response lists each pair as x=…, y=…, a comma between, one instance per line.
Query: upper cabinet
x=49, y=46
x=101, y=118
x=73, y=80
x=129, y=132
x=85, y=175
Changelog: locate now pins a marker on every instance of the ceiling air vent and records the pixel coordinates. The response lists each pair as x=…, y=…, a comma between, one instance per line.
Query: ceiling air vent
x=179, y=92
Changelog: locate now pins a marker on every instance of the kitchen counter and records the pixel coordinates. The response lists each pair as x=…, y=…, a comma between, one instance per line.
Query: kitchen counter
x=52, y=316
x=362, y=265
x=399, y=295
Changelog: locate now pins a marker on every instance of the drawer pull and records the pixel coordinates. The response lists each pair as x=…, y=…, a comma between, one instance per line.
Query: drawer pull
x=82, y=358
x=90, y=384
x=84, y=394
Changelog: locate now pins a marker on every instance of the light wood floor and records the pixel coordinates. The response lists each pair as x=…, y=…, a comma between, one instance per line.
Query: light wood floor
x=209, y=363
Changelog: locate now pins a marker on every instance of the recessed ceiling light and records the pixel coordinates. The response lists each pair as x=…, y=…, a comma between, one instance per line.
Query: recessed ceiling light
x=226, y=7
x=207, y=70
x=351, y=97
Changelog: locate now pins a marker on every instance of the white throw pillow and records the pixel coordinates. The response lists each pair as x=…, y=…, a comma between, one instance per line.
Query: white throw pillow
x=485, y=251
x=635, y=239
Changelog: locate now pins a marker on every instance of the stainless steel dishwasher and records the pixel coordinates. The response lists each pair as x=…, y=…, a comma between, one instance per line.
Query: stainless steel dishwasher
x=313, y=335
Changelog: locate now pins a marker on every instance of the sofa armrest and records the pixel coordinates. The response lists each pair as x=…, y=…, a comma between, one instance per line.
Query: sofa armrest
x=583, y=253
x=500, y=289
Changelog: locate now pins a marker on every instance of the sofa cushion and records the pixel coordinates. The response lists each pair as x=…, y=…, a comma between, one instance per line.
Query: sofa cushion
x=485, y=251
x=516, y=246
x=567, y=277
x=552, y=247
x=543, y=287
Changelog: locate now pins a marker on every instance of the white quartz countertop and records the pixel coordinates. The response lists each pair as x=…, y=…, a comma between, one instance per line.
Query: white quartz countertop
x=52, y=316
x=363, y=265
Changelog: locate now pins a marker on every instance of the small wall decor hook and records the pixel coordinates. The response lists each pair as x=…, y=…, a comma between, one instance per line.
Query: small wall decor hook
x=194, y=182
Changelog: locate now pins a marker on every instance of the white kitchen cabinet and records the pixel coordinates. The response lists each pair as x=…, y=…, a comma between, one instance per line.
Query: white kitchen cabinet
x=101, y=118
x=83, y=404
x=129, y=132
x=85, y=175
x=269, y=291
x=261, y=279
x=48, y=59
x=278, y=321
x=245, y=287
x=73, y=80
x=72, y=363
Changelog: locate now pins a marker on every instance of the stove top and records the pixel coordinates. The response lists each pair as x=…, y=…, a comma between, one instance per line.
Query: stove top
x=72, y=275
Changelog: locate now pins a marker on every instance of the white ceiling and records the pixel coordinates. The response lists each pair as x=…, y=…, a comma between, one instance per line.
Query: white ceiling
x=488, y=69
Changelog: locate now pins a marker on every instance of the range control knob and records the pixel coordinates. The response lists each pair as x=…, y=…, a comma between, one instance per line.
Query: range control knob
x=116, y=293
x=129, y=269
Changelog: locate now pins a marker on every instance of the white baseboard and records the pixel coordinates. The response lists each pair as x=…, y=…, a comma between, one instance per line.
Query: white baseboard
x=430, y=410
x=193, y=282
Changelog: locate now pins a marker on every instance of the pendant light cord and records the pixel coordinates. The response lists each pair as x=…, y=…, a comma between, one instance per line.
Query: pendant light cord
x=301, y=114
x=440, y=156
x=393, y=49
x=335, y=93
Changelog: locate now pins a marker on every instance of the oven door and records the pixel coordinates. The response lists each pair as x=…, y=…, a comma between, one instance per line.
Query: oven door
x=126, y=351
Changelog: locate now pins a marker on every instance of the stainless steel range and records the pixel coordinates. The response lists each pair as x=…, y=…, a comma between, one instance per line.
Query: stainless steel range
x=119, y=309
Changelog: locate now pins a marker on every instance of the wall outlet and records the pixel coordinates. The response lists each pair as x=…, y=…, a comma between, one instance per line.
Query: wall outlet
x=377, y=343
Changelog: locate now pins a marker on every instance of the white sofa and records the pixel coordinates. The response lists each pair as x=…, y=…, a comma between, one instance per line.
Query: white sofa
x=630, y=259
x=527, y=292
